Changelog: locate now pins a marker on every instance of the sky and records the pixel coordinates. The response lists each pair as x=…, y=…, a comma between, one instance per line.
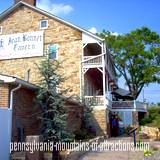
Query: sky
x=119, y=16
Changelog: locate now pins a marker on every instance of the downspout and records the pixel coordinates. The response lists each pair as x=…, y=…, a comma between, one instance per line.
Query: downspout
x=11, y=110
x=11, y=96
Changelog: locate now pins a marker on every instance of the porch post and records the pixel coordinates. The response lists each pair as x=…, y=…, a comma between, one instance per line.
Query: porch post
x=104, y=80
x=134, y=104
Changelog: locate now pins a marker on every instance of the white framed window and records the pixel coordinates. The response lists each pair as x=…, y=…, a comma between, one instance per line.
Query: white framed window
x=43, y=24
x=53, y=51
x=1, y=29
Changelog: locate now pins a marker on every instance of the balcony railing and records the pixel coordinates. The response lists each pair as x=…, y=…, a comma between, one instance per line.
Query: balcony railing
x=129, y=105
x=92, y=60
x=123, y=105
x=95, y=100
x=141, y=105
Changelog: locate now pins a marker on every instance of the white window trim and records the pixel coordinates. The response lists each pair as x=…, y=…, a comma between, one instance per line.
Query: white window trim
x=57, y=47
x=46, y=23
x=57, y=53
x=1, y=29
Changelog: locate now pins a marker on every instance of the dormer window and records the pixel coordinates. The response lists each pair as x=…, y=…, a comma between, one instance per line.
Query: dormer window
x=1, y=29
x=43, y=24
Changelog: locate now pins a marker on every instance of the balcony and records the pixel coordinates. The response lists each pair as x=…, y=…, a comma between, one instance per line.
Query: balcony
x=98, y=101
x=141, y=106
x=92, y=60
x=135, y=105
x=95, y=100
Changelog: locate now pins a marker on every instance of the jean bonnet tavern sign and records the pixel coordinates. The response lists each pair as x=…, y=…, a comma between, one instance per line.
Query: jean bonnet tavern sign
x=21, y=45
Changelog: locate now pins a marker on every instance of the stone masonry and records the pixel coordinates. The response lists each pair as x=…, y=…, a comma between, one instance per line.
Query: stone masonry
x=69, y=39
x=100, y=123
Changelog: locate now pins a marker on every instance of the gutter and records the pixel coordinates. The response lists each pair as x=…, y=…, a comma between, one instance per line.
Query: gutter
x=11, y=96
x=26, y=84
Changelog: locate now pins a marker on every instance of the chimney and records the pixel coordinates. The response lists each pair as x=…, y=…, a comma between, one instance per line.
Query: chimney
x=27, y=75
x=31, y=2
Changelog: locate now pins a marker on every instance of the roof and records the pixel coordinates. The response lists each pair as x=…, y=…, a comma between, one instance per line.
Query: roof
x=11, y=9
x=14, y=80
x=121, y=92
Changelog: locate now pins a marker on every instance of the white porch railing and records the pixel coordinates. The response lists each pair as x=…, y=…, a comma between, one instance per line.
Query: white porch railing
x=96, y=100
x=139, y=106
x=92, y=60
x=123, y=105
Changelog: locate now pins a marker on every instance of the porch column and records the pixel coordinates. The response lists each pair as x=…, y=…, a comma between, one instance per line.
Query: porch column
x=104, y=80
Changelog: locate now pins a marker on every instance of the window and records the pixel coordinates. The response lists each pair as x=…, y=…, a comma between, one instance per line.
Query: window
x=53, y=51
x=1, y=29
x=126, y=117
x=43, y=24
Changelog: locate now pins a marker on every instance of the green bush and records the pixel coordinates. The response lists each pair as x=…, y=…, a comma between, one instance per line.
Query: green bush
x=153, y=119
x=145, y=121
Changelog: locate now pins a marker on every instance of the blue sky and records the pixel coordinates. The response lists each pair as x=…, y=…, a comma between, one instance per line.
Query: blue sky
x=119, y=16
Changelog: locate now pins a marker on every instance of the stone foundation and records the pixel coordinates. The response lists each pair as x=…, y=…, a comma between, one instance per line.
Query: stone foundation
x=101, y=122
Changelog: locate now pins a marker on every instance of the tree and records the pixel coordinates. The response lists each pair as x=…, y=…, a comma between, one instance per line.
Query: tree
x=54, y=113
x=136, y=56
x=153, y=118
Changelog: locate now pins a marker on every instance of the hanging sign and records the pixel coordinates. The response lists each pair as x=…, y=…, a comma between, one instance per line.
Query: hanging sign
x=21, y=45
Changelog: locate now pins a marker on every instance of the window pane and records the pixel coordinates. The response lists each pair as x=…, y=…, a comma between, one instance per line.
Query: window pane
x=52, y=51
x=43, y=24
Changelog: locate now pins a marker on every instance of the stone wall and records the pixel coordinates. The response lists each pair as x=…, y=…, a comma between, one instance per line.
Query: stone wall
x=31, y=2
x=100, y=121
x=69, y=40
x=150, y=132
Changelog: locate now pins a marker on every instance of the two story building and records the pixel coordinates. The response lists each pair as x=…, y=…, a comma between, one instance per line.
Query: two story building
x=28, y=34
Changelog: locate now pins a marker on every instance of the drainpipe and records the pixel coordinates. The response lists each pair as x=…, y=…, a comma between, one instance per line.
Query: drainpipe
x=11, y=96
x=11, y=110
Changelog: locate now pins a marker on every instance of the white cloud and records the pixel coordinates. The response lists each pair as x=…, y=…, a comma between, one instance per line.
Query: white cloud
x=93, y=30
x=55, y=8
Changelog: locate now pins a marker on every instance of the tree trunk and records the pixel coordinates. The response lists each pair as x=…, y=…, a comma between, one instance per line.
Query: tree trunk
x=55, y=154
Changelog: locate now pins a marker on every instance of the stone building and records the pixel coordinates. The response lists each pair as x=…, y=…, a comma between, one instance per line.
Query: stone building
x=29, y=33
